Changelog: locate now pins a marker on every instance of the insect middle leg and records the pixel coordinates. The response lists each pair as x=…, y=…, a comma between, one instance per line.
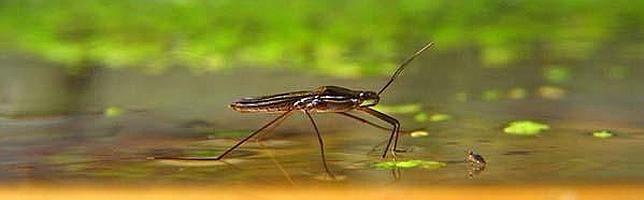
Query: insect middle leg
x=321, y=142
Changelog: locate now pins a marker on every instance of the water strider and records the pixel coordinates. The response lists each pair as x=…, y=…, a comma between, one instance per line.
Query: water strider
x=475, y=163
x=474, y=158
x=324, y=99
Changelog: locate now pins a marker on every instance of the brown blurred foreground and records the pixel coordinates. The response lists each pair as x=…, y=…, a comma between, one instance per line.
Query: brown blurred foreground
x=563, y=192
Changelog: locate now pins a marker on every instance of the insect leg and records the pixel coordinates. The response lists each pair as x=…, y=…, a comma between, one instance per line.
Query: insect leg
x=317, y=132
x=379, y=127
x=364, y=121
x=252, y=134
x=269, y=130
x=283, y=116
x=374, y=124
x=393, y=121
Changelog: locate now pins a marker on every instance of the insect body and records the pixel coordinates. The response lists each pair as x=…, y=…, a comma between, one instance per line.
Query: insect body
x=475, y=163
x=322, y=99
x=325, y=99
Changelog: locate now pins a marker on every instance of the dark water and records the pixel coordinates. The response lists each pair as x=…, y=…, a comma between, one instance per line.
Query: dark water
x=45, y=138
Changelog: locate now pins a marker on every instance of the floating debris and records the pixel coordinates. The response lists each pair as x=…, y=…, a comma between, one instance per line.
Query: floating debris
x=425, y=164
x=551, y=92
x=439, y=117
x=421, y=117
x=419, y=134
x=113, y=111
x=525, y=127
x=491, y=95
x=603, y=134
x=399, y=109
x=517, y=93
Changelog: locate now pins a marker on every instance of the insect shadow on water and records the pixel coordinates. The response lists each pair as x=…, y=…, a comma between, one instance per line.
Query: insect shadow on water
x=324, y=99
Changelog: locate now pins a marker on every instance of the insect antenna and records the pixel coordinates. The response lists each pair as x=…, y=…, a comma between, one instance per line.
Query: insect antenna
x=404, y=64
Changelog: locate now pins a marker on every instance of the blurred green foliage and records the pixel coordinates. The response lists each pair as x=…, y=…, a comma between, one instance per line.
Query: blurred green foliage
x=342, y=38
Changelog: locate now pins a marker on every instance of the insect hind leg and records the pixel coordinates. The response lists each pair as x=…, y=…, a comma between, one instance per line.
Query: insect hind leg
x=230, y=149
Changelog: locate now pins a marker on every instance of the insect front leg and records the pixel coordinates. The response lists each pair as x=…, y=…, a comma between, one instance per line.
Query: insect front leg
x=364, y=121
x=394, y=133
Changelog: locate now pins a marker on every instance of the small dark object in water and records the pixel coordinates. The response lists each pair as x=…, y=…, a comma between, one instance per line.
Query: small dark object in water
x=475, y=163
x=329, y=99
x=473, y=157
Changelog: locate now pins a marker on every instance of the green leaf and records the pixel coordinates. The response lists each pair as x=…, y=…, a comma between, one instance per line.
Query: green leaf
x=399, y=109
x=421, y=117
x=425, y=164
x=551, y=92
x=491, y=95
x=525, y=128
x=603, y=134
x=439, y=117
x=419, y=134
x=113, y=111
x=430, y=164
x=517, y=93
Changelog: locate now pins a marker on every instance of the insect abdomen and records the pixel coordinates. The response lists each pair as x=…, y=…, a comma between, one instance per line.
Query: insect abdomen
x=274, y=103
x=254, y=107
